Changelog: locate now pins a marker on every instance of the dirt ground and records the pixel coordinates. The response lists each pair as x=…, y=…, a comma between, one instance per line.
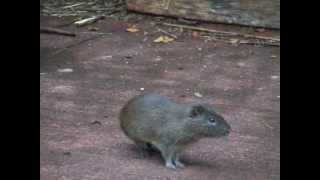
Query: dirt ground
x=84, y=81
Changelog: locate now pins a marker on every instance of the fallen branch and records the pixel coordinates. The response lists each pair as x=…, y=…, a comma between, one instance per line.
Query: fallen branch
x=87, y=21
x=167, y=33
x=88, y=32
x=243, y=42
x=55, y=31
x=260, y=43
x=73, y=5
x=222, y=32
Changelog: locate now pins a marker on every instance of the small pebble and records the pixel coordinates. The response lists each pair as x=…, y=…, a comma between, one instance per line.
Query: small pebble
x=274, y=77
x=141, y=89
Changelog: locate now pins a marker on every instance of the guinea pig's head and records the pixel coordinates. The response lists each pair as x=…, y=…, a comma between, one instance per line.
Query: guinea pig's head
x=206, y=122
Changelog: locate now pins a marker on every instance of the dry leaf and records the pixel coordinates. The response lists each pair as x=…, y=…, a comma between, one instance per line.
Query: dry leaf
x=133, y=29
x=163, y=39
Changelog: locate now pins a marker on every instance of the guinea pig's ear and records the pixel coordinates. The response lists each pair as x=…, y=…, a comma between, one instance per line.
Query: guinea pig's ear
x=196, y=110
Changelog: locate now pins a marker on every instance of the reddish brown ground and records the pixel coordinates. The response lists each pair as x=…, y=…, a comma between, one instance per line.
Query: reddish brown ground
x=80, y=135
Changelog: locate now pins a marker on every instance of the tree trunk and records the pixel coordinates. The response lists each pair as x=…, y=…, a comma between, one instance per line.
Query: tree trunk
x=258, y=13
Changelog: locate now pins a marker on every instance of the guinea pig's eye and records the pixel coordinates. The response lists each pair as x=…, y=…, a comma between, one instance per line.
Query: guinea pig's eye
x=212, y=120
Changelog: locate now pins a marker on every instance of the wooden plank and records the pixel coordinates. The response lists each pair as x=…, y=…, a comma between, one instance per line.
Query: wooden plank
x=258, y=13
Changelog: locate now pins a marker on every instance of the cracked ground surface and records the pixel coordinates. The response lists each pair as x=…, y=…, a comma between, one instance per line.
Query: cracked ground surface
x=84, y=81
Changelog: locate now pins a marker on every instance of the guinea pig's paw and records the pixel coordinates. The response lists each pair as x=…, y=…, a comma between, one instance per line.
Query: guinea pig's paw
x=179, y=164
x=170, y=165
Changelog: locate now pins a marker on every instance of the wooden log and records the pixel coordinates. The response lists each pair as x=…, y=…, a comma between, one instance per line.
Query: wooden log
x=257, y=13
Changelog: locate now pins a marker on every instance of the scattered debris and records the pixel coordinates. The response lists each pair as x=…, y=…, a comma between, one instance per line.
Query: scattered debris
x=158, y=58
x=273, y=56
x=96, y=122
x=274, y=77
x=87, y=21
x=141, y=89
x=82, y=8
x=73, y=5
x=133, y=29
x=223, y=32
x=197, y=94
x=163, y=39
x=67, y=153
x=56, y=31
x=266, y=125
x=66, y=70
x=128, y=57
x=260, y=30
x=195, y=34
x=167, y=33
x=93, y=29
x=241, y=64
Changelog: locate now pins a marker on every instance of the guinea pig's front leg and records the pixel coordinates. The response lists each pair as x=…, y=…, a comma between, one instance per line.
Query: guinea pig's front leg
x=176, y=158
x=167, y=153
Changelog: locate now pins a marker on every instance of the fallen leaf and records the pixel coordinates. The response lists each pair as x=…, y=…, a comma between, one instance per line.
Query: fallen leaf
x=163, y=39
x=133, y=29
